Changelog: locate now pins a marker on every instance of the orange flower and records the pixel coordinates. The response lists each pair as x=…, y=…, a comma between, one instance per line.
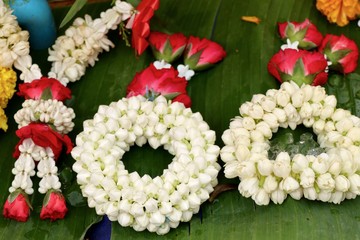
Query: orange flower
x=339, y=11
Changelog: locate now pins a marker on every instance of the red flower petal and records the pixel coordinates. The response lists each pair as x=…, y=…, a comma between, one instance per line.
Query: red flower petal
x=43, y=136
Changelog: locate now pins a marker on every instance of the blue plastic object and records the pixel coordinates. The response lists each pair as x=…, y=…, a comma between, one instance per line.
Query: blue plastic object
x=36, y=17
x=100, y=230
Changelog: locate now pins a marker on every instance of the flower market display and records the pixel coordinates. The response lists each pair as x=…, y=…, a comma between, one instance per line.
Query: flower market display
x=207, y=119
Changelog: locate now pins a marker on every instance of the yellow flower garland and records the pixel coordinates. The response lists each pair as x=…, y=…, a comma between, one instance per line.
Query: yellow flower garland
x=7, y=90
x=339, y=11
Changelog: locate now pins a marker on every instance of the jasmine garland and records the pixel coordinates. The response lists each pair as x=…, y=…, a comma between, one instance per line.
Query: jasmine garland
x=329, y=177
x=156, y=204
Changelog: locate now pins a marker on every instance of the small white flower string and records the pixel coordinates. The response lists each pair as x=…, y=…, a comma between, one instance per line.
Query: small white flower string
x=156, y=204
x=329, y=177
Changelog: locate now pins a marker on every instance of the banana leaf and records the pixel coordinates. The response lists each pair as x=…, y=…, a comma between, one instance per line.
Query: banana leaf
x=217, y=94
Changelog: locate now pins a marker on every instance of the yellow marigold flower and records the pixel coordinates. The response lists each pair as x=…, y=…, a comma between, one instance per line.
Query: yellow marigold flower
x=3, y=120
x=339, y=11
x=7, y=85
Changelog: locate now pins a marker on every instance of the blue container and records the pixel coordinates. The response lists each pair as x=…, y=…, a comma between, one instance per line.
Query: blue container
x=36, y=17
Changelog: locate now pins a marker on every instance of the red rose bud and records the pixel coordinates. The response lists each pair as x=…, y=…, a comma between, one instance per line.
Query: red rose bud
x=152, y=82
x=168, y=47
x=141, y=25
x=17, y=206
x=305, y=33
x=44, y=136
x=44, y=88
x=341, y=51
x=299, y=66
x=202, y=53
x=54, y=206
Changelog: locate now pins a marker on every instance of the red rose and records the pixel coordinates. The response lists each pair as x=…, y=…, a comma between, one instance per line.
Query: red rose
x=154, y=82
x=341, y=51
x=305, y=33
x=141, y=27
x=44, y=88
x=17, y=207
x=54, y=206
x=167, y=47
x=43, y=136
x=299, y=66
x=202, y=53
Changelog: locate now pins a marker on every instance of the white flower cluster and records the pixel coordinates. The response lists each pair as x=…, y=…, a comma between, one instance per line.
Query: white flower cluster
x=49, y=111
x=24, y=168
x=13, y=41
x=156, y=204
x=83, y=42
x=329, y=177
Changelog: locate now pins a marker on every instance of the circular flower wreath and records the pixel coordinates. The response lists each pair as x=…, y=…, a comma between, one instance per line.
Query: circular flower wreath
x=159, y=203
x=331, y=176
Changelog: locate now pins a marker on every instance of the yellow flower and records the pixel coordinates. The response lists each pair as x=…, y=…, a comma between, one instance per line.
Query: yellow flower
x=3, y=120
x=7, y=85
x=339, y=11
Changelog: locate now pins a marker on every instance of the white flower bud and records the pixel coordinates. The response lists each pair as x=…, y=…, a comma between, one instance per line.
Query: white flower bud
x=249, y=186
x=325, y=182
x=330, y=101
x=256, y=111
x=278, y=196
x=354, y=183
x=249, y=123
x=261, y=197
x=299, y=163
x=297, y=99
x=270, y=184
x=246, y=169
x=344, y=125
x=354, y=134
x=319, y=94
x=265, y=167
x=282, y=166
x=282, y=98
x=339, y=114
x=268, y=104
x=125, y=219
x=326, y=112
x=342, y=184
x=306, y=110
x=310, y=193
x=319, y=126
x=289, y=184
x=307, y=178
x=337, y=197
x=244, y=108
x=280, y=115
x=321, y=163
x=324, y=196
x=271, y=120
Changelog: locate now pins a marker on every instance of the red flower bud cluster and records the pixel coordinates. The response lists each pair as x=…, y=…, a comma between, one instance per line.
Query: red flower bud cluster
x=199, y=54
x=334, y=53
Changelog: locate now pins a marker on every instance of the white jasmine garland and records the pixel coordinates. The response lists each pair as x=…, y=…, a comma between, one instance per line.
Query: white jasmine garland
x=156, y=204
x=330, y=177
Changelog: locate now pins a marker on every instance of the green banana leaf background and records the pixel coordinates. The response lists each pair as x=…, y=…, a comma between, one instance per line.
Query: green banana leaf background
x=217, y=94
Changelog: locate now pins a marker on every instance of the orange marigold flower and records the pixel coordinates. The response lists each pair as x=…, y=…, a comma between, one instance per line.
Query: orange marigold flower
x=339, y=11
